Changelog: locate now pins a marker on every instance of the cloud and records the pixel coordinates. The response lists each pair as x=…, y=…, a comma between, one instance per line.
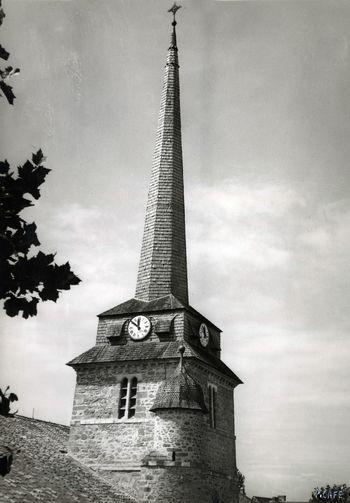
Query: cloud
x=271, y=264
x=274, y=249
x=96, y=241
x=240, y=223
x=97, y=247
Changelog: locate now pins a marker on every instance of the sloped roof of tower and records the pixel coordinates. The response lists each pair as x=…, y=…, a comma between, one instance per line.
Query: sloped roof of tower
x=151, y=351
x=137, y=305
x=163, y=262
x=179, y=391
x=168, y=302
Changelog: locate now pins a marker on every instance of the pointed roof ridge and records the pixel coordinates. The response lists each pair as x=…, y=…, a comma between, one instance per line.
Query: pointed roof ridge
x=180, y=390
x=173, y=41
x=163, y=261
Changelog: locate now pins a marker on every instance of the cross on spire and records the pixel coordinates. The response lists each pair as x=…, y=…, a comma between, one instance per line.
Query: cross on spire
x=174, y=10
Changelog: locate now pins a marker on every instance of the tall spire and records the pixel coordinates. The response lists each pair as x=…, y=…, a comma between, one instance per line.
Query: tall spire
x=163, y=264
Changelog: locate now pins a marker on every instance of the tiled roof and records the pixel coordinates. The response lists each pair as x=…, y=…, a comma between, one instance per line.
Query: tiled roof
x=42, y=471
x=166, y=303
x=212, y=361
x=163, y=264
x=179, y=391
x=150, y=351
x=140, y=306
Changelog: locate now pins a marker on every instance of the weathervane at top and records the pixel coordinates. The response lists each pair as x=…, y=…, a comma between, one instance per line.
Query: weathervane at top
x=174, y=9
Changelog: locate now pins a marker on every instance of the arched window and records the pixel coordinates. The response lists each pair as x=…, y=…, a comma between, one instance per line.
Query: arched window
x=127, y=398
x=212, y=404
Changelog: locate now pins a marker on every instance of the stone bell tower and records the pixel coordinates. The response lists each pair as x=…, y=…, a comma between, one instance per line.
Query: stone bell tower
x=153, y=408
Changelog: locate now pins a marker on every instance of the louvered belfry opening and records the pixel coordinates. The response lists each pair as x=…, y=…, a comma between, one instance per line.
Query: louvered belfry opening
x=163, y=264
x=123, y=398
x=132, y=400
x=127, y=398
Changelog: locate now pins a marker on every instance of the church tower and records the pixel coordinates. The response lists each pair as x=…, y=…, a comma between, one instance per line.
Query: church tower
x=154, y=406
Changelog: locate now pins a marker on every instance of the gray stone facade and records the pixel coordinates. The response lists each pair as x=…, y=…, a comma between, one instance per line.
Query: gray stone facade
x=137, y=452
x=177, y=453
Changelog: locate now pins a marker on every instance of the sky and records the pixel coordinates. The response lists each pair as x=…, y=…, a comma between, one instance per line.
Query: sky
x=265, y=100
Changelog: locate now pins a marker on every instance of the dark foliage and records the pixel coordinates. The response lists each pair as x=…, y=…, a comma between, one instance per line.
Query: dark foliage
x=26, y=278
x=6, y=399
x=240, y=482
x=6, y=73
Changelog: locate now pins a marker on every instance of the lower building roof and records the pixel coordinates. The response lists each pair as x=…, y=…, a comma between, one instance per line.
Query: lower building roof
x=42, y=471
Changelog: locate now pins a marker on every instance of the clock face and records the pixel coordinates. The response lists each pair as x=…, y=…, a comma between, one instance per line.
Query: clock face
x=139, y=327
x=204, y=335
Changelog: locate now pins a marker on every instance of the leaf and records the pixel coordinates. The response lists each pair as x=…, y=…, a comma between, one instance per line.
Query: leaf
x=38, y=157
x=31, y=237
x=12, y=203
x=9, y=72
x=12, y=306
x=7, y=90
x=29, y=308
x=32, y=177
x=65, y=278
x=49, y=293
x=25, y=281
x=25, y=237
x=3, y=53
x=4, y=167
x=2, y=14
x=40, y=173
x=42, y=260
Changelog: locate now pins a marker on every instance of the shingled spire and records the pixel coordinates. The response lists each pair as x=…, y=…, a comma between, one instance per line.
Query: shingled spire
x=163, y=264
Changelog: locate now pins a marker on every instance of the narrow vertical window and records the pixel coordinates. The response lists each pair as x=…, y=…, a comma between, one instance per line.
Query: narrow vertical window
x=212, y=405
x=127, y=398
x=123, y=398
x=132, y=402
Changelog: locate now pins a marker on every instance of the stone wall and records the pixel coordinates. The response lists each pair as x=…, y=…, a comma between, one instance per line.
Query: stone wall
x=220, y=441
x=179, y=484
x=117, y=448
x=184, y=325
x=180, y=432
x=97, y=435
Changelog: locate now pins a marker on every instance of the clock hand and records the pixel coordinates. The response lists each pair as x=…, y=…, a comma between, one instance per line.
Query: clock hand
x=136, y=325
